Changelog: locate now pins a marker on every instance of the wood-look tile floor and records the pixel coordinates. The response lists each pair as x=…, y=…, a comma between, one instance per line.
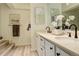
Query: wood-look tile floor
x=22, y=51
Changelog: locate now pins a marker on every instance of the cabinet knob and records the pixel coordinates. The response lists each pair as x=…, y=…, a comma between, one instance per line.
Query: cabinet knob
x=51, y=47
x=69, y=34
x=58, y=54
x=41, y=49
x=41, y=40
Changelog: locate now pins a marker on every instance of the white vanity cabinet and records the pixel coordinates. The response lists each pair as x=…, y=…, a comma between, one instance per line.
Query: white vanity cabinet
x=60, y=52
x=46, y=48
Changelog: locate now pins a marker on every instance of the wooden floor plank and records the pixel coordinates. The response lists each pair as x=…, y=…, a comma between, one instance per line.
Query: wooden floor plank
x=25, y=51
x=28, y=50
x=10, y=46
x=11, y=53
x=2, y=49
x=22, y=51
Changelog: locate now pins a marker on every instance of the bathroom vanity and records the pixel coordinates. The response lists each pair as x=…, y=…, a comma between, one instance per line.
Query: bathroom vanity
x=52, y=45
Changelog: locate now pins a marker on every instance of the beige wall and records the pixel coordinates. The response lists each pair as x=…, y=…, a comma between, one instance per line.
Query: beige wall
x=24, y=38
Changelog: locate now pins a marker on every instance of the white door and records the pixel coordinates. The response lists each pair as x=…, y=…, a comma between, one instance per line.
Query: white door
x=24, y=33
x=37, y=21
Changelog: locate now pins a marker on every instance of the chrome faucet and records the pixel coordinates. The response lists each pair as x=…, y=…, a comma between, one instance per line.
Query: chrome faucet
x=75, y=30
x=48, y=29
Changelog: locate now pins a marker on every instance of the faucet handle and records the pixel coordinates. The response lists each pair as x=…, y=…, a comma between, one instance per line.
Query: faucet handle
x=69, y=34
x=48, y=29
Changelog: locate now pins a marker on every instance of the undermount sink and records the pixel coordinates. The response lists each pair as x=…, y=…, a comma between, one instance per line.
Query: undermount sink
x=58, y=32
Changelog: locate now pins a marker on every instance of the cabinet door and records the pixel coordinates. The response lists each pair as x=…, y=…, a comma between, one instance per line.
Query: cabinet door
x=49, y=49
x=60, y=52
x=42, y=51
x=42, y=41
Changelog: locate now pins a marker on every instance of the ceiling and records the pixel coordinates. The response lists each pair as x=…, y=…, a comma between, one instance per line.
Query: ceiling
x=19, y=5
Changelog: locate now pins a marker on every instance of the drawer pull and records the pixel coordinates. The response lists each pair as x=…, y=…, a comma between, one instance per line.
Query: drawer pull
x=41, y=40
x=51, y=47
x=41, y=49
x=58, y=54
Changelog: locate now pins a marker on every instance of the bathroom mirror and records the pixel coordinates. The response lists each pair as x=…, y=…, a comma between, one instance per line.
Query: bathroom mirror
x=53, y=13
x=39, y=16
x=74, y=12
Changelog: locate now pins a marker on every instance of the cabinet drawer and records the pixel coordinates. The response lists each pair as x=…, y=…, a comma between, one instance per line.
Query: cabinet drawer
x=49, y=52
x=42, y=41
x=42, y=51
x=60, y=52
x=48, y=45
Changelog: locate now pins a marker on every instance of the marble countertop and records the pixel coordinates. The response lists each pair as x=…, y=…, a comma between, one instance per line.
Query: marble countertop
x=70, y=46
